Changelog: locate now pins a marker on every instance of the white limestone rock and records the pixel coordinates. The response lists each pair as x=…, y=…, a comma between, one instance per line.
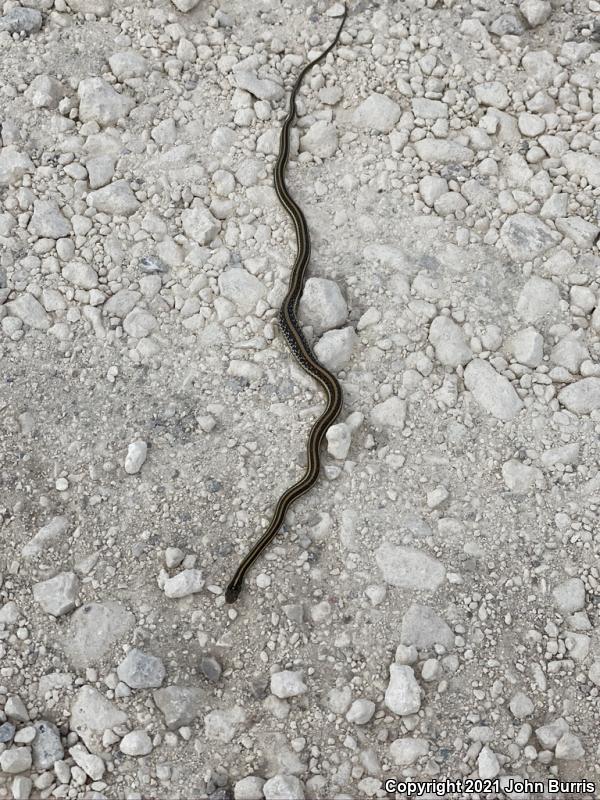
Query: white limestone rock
x=531, y=125
x=527, y=347
x=44, y=91
x=136, y=743
x=47, y=536
x=13, y=165
x=262, y=88
x=99, y=8
x=200, y=225
x=566, y=454
x=526, y=236
x=391, y=413
x=492, y=391
x=180, y=705
x=521, y=706
x=443, y=151
x=287, y=683
x=98, y=101
x=451, y=348
x=91, y=714
x=330, y=95
x=268, y=142
x=242, y=288
x=371, y=317
x=429, y=109
x=48, y=220
x=569, y=596
x=80, y=274
x=126, y=64
x=555, y=206
x=91, y=764
x=584, y=298
x=139, y=323
x=185, y=5
x=409, y=568
x=424, y=628
x=542, y=67
x=403, y=694
x=488, y=765
x=186, y=582
x=249, y=788
x=220, y=725
x=450, y=203
x=536, y=12
x=581, y=164
x=569, y=748
x=101, y=170
x=15, y=760
x=15, y=709
x=173, y=557
x=93, y=630
x=47, y=746
x=549, y=735
x=21, y=20
x=334, y=348
x=519, y=477
x=321, y=139
x=121, y=303
x=9, y=613
x=594, y=673
x=539, y=298
x=58, y=595
x=165, y=133
x=339, y=439
x=283, y=787
x=580, y=231
x=432, y=187
x=136, y=456
x=338, y=700
x=378, y=112
x=29, y=309
x=322, y=305
x=405, y=752
x=492, y=93
x=360, y=712
x=570, y=351
x=115, y=199
x=581, y=397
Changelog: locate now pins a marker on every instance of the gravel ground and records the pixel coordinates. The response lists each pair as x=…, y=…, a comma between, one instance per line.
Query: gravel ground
x=430, y=611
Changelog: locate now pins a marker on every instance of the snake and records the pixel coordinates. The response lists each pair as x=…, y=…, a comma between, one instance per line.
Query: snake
x=296, y=341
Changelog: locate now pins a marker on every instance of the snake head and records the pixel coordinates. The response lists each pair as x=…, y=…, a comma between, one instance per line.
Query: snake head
x=232, y=592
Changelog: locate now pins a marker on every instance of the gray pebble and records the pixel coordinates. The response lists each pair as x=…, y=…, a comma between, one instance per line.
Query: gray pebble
x=180, y=705
x=58, y=595
x=424, y=628
x=21, y=20
x=210, y=668
x=403, y=694
x=141, y=671
x=491, y=390
x=7, y=732
x=136, y=456
x=47, y=746
x=409, y=568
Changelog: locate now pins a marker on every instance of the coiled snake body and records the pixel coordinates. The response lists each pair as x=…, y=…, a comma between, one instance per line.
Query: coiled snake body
x=300, y=348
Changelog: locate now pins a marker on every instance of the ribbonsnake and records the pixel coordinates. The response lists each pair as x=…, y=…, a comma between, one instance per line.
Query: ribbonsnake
x=296, y=341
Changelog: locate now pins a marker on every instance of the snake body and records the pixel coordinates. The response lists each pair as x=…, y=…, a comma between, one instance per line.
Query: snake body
x=296, y=341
